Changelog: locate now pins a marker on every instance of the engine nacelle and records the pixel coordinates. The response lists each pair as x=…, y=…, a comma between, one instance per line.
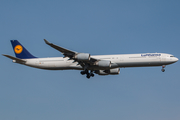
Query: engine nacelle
x=101, y=72
x=104, y=63
x=82, y=57
x=114, y=71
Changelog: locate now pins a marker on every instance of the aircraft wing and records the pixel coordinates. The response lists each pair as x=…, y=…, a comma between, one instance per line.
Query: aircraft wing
x=14, y=58
x=69, y=53
x=65, y=52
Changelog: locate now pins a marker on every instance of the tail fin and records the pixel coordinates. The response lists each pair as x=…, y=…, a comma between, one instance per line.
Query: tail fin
x=20, y=51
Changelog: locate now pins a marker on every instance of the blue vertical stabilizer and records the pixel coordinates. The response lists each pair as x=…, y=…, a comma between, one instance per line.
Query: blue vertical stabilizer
x=20, y=51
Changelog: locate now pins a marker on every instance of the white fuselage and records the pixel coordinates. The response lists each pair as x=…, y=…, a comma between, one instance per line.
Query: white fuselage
x=117, y=61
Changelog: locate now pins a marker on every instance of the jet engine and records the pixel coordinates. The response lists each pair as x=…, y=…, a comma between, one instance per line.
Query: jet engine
x=104, y=63
x=114, y=71
x=82, y=57
x=101, y=72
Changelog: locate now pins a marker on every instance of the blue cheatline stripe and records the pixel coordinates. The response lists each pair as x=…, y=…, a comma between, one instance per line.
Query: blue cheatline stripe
x=20, y=51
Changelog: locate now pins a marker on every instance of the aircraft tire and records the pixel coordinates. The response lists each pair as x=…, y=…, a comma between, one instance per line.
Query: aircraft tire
x=83, y=72
x=163, y=70
x=92, y=75
x=88, y=76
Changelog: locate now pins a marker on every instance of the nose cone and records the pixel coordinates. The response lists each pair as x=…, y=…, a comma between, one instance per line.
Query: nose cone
x=176, y=59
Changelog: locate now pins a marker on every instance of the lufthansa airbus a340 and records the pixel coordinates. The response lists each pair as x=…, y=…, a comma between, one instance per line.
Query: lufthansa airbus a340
x=98, y=64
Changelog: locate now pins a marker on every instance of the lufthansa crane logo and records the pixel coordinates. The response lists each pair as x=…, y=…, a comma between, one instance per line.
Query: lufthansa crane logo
x=18, y=49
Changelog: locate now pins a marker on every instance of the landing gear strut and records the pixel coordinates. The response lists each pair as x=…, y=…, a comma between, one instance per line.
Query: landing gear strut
x=88, y=74
x=163, y=70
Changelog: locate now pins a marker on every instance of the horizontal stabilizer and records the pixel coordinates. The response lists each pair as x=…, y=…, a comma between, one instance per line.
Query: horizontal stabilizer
x=17, y=60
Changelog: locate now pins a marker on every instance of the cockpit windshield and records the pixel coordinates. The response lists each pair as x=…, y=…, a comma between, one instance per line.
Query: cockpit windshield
x=171, y=56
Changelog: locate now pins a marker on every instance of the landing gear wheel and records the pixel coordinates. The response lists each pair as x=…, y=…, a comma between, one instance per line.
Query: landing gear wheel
x=92, y=75
x=83, y=72
x=88, y=76
x=163, y=70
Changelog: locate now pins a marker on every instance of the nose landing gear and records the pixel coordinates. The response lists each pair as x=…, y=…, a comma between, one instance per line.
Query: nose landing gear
x=163, y=70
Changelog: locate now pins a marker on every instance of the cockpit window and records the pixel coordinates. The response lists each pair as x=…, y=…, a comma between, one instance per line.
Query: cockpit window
x=172, y=56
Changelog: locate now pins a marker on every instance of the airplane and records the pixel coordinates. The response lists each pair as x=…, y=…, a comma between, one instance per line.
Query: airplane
x=89, y=65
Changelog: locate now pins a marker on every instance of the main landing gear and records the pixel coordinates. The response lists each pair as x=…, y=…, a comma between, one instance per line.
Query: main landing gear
x=163, y=70
x=88, y=74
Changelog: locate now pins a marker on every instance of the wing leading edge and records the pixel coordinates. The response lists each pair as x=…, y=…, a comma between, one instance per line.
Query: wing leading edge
x=65, y=52
x=72, y=54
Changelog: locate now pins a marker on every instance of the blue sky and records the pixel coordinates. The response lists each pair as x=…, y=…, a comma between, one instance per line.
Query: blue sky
x=95, y=27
